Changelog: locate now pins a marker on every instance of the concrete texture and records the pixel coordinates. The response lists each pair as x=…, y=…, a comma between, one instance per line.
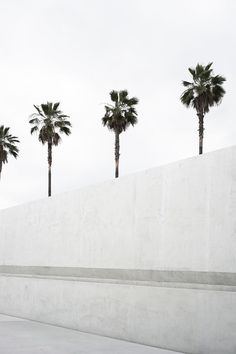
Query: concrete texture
x=194, y=321
x=175, y=217
x=148, y=258
x=19, y=336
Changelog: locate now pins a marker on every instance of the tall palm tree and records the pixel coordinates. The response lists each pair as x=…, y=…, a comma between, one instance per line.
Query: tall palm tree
x=49, y=122
x=118, y=117
x=7, y=146
x=202, y=93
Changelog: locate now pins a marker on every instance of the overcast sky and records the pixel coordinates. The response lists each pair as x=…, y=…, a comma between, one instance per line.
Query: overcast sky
x=77, y=51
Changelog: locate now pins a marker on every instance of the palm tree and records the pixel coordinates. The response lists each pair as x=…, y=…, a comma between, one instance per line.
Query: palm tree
x=49, y=122
x=202, y=93
x=7, y=146
x=118, y=117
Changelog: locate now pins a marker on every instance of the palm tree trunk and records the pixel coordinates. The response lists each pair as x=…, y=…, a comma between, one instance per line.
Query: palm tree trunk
x=0, y=169
x=201, y=131
x=117, y=153
x=49, y=168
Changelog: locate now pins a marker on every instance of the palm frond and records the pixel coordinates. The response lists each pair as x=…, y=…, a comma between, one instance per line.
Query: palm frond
x=192, y=72
x=34, y=129
x=34, y=121
x=123, y=95
x=114, y=96
x=218, y=80
x=65, y=130
x=39, y=111
x=187, y=97
x=208, y=66
x=218, y=93
x=132, y=101
x=186, y=83
x=56, y=105
x=62, y=116
x=199, y=69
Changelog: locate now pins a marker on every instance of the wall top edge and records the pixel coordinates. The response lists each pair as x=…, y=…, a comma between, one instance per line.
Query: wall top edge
x=124, y=178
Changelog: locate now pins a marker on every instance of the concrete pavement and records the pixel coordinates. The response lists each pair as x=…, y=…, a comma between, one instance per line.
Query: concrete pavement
x=19, y=336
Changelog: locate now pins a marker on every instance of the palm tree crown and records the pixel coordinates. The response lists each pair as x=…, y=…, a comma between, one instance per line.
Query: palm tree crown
x=205, y=90
x=49, y=121
x=7, y=145
x=122, y=113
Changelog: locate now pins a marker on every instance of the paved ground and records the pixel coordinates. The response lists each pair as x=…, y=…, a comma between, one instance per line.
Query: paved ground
x=18, y=336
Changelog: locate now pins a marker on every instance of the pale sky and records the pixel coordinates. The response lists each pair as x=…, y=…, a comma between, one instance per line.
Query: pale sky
x=77, y=51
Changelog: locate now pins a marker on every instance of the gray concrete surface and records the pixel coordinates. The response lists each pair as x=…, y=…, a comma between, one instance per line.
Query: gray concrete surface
x=18, y=336
x=166, y=238
x=178, y=217
x=189, y=320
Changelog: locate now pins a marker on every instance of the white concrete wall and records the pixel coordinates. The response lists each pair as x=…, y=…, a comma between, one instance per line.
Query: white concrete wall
x=196, y=321
x=131, y=258
x=178, y=217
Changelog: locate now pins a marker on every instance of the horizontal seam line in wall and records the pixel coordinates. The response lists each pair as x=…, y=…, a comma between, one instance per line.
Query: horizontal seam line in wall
x=184, y=285
x=152, y=275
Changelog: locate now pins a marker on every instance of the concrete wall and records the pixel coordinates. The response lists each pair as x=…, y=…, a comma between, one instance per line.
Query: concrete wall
x=179, y=217
x=149, y=257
